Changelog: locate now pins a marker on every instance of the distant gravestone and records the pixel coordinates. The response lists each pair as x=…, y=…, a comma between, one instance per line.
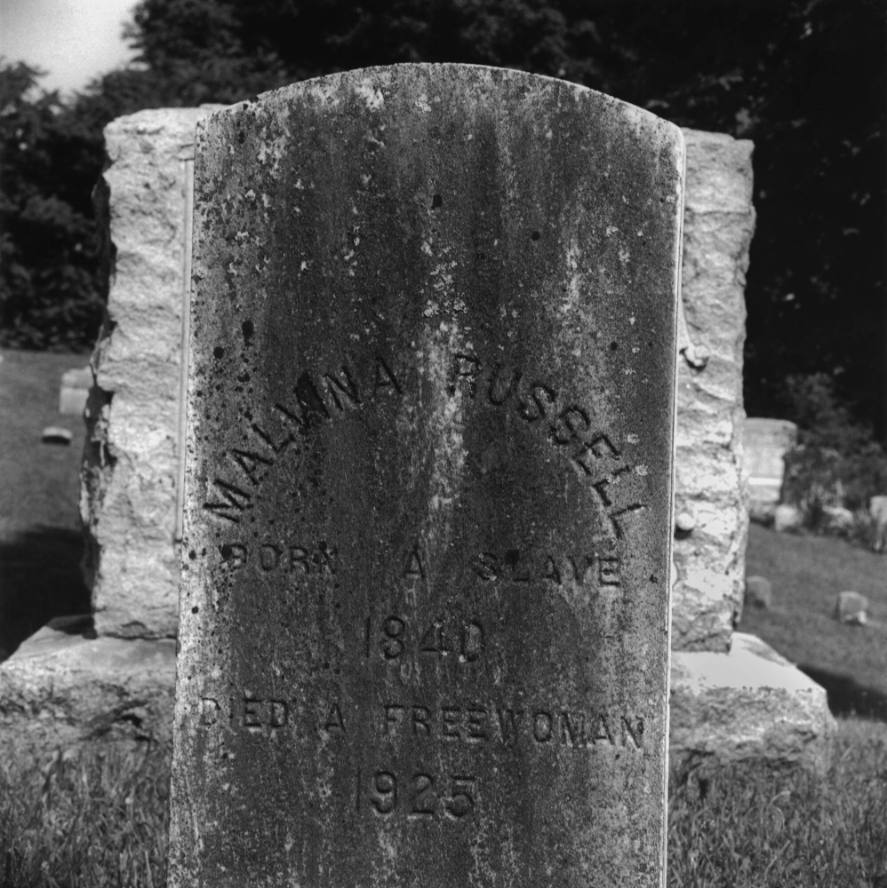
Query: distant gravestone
x=852, y=608
x=74, y=391
x=758, y=592
x=56, y=435
x=765, y=443
x=424, y=636
x=878, y=513
x=787, y=518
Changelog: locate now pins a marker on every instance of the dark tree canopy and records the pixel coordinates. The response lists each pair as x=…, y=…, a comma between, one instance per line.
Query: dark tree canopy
x=49, y=292
x=805, y=79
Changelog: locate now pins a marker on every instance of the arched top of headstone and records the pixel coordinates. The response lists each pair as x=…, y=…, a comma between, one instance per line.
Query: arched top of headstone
x=417, y=87
x=558, y=127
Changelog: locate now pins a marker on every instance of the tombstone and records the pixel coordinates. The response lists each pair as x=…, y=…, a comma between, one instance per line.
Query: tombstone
x=758, y=593
x=852, y=608
x=56, y=435
x=133, y=482
x=766, y=443
x=424, y=632
x=878, y=514
x=74, y=391
x=787, y=518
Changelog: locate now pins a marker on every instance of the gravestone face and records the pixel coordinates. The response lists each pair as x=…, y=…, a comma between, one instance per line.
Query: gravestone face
x=424, y=630
x=766, y=442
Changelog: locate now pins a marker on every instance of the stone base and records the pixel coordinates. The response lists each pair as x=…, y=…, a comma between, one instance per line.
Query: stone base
x=63, y=688
x=746, y=707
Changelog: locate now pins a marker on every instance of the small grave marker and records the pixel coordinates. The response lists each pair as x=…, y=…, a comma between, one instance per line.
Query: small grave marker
x=765, y=444
x=74, y=391
x=424, y=635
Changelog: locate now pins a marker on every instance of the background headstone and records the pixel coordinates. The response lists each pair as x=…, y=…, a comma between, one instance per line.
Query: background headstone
x=851, y=607
x=73, y=391
x=878, y=514
x=758, y=592
x=766, y=443
x=787, y=518
x=424, y=630
x=56, y=435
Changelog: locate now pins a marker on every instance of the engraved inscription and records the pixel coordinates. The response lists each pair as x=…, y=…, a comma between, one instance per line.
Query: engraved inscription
x=392, y=636
x=527, y=566
x=316, y=558
x=420, y=795
x=266, y=715
x=566, y=426
x=502, y=725
x=316, y=399
x=475, y=724
x=320, y=398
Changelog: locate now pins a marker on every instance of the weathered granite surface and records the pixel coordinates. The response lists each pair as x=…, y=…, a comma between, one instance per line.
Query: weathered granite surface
x=128, y=498
x=709, y=489
x=750, y=707
x=63, y=688
x=424, y=633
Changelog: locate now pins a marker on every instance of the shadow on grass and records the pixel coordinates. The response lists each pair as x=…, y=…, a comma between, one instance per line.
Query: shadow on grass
x=846, y=696
x=39, y=579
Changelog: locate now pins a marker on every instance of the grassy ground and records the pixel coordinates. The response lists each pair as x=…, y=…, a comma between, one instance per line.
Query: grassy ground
x=97, y=820
x=754, y=832
x=40, y=481
x=807, y=572
x=40, y=541
x=100, y=820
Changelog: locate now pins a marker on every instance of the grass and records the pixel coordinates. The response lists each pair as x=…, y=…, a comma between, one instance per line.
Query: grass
x=40, y=482
x=749, y=831
x=807, y=572
x=97, y=819
x=40, y=540
x=100, y=819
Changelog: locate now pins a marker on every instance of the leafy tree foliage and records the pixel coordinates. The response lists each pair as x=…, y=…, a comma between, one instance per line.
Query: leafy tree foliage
x=49, y=295
x=804, y=78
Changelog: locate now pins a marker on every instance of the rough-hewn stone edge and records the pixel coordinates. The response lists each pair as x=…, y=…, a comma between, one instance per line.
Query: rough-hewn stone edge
x=119, y=417
x=749, y=706
x=710, y=559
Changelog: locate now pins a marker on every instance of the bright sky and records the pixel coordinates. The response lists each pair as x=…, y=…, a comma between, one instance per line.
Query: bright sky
x=73, y=40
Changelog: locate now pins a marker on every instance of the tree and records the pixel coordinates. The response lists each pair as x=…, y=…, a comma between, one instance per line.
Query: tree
x=48, y=292
x=804, y=78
